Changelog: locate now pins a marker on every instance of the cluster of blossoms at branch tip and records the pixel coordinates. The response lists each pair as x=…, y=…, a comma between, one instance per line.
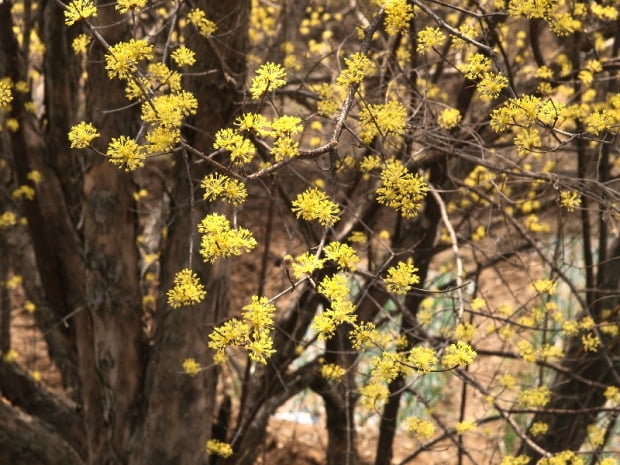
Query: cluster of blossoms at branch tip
x=252, y=332
x=79, y=10
x=220, y=240
x=536, y=397
x=122, y=58
x=221, y=186
x=241, y=148
x=401, y=189
x=401, y=277
x=191, y=367
x=332, y=372
x=313, y=204
x=82, y=134
x=358, y=67
x=199, y=20
x=124, y=6
x=341, y=309
x=460, y=354
x=184, y=56
x=428, y=38
x=382, y=119
x=269, y=76
x=187, y=290
x=6, y=95
x=424, y=429
x=125, y=153
x=217, y=447
x=449, y=118
x=398, y=14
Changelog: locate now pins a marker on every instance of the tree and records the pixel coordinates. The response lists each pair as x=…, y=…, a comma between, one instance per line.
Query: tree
x=354, y=199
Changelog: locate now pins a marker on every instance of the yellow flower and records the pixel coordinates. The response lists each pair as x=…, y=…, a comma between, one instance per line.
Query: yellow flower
x=570, y=200
x=10, y=356
x=343, y=254
x=539, y=427
x=401, y=189
x=464, y=426
x=205, y=26
x=313, y=204
x=220, y=240
x=78, y=10
x=125, y=153
x=358, y=67
x=428, y=38
x=123, y=6
x=184, y=56
x=216, y=447
x=402, y=277
x=536, y=397
x=230, y=190
x=449, y=118
x=122, y=58
x=460, y=354
x=187, y=290
x=541, y=286
x=382, y=119
x=82, y=134
x=6, y=96
x=241, y=149
x=191, y=367
x=424, y=429
x=422, y=359
x=332, y=372
x=398, y=13
x=24, y=191
x=268, y=77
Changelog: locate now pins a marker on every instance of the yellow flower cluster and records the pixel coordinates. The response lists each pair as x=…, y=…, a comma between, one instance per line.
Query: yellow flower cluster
x=79, y=10
x=220, y=240
x=8, y=219
x=187, y=290
x=123, y=6
x=313, y=204
x=518, y=460
x=252, y=332
x=423, y=429
x=125, y=153
x=428, y=38
x=82, y=134
x=341, y=309
x=536, y=397
x=205, y=26
x=184, y=56
x=398, y=13
x=216, y=447
x=269, y=76
x=401, y=277
x=332, y=372
x=221, y=186
x=343, y=255
x=382, y=119
x=358, y=67
x=566, y=457
x=241, y=148
x=401, y=189
x=6, y=95
x=460, y=354
x=122, y=58
x=191, y=367
x=449, y=118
